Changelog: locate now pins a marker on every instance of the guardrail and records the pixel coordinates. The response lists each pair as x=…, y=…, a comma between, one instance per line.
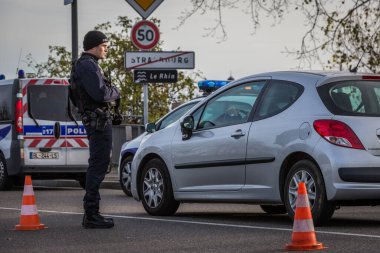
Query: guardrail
x=121, y=134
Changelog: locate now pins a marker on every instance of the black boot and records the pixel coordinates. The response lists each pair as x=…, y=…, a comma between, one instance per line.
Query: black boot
x=95, y=220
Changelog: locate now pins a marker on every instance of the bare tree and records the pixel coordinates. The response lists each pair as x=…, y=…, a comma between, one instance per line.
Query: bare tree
x=346, y=30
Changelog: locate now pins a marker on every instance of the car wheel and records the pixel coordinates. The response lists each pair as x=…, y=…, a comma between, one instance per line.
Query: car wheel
x=274, y=209
x=125, y=177
x=6, y=181
x=307, y=172
x=156, y=189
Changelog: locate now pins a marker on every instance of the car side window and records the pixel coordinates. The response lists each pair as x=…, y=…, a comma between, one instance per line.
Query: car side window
x=231, y=107
x=5, y=102
x=279, y=96
x=197, y=116
x=174, y=115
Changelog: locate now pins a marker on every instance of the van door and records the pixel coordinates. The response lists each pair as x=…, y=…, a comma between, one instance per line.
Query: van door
x=45, y=115
x=77, y=142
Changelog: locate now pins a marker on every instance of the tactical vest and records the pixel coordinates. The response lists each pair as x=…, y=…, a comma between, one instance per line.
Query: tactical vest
x=78, y=94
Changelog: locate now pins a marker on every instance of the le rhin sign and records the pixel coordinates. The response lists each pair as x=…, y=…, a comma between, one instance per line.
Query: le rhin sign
x=155, y=76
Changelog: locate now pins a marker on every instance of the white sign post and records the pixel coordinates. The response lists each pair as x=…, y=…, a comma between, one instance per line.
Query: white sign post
x=145, y=37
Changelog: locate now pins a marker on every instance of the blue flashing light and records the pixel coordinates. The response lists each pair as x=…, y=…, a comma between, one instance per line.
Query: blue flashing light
x=211, y=85
x=2, y=77
x=21, y=73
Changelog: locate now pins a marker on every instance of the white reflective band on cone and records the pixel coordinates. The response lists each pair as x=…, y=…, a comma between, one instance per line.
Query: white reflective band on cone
x=303, y=226
x=302, y=201
x=29, y=210
x=28, y=190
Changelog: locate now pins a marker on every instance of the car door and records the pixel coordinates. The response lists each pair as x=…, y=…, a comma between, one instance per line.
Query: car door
x=44, y=116
x=213, y=159
x=76, y=139
x=275, y=126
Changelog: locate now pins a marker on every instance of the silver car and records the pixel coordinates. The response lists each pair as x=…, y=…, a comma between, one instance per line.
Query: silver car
x=255, y=139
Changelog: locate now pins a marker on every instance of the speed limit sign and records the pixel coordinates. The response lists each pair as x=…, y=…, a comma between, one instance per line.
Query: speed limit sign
x=145, y=35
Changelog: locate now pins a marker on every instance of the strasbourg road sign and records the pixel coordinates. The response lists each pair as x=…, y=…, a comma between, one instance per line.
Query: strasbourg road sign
x=159, y=60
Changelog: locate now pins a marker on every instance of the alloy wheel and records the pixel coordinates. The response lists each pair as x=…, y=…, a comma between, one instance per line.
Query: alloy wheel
x=153, y=188
x=2, y=171
x=126, y=176
x=302, y=176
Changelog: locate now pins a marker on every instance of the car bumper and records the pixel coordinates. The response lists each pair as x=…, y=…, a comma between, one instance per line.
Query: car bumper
x=349, y=174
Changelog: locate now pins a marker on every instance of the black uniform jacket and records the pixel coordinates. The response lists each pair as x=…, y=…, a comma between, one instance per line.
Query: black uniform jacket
x=90, y=76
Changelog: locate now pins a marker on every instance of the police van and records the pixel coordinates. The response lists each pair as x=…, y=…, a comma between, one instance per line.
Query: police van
x=40, y=132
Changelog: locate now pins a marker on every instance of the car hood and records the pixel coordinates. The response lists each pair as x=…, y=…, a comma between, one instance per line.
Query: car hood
x=132, y=145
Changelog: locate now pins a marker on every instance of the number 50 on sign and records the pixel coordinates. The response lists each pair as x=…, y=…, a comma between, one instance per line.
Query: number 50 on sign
x=145, y=35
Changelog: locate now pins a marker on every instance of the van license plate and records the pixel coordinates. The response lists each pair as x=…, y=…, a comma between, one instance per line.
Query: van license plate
x=44, y=155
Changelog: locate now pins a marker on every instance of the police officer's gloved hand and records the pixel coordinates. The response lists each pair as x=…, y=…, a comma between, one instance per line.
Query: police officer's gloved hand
x=117, y=119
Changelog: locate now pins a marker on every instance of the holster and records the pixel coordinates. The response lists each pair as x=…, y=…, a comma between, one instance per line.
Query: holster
x=97, y=119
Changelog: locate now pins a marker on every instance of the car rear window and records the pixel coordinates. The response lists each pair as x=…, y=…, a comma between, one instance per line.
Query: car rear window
x=48, y=102
x=352, y=98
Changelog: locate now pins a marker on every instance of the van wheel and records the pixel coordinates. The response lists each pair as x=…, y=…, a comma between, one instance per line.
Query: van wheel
x=82, y=181
x=307, y=172
x=125, y=177
x=6, y=181
x=156, y=189
x=274, y=209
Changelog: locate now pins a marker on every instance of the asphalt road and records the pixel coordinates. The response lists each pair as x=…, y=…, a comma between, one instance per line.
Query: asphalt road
x=195, y=227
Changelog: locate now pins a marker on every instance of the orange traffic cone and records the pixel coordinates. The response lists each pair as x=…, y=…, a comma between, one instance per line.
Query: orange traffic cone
x=29, y=219
x=303, y=237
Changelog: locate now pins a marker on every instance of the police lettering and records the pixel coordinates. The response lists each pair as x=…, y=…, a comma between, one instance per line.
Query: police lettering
x=76, y=131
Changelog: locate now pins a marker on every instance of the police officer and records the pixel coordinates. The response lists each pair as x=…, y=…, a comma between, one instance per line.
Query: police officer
x=94, y=96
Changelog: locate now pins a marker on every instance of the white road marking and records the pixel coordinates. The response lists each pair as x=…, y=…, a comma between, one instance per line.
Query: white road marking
x=202, y=223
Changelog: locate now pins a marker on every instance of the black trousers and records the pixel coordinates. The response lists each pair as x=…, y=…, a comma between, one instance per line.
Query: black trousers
x=100, y=143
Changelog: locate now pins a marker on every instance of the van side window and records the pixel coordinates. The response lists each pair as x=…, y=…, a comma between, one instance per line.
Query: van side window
x=6, y=102
x=48, y=102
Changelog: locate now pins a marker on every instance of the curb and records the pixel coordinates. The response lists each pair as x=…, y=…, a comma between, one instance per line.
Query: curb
x=111, y=181
x=73, y=183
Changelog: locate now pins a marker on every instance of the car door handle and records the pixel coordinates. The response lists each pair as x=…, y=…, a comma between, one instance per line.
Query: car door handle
x=57, y=130
x=238, y=134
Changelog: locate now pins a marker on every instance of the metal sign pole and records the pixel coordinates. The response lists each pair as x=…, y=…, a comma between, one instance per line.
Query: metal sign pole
x=74, y=29
x=145, y=90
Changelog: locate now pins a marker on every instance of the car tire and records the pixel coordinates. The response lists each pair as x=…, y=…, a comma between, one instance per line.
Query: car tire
x=6, y=182
x=156, y=190
x=308, y=172
x=125, y=177
x=274, y=209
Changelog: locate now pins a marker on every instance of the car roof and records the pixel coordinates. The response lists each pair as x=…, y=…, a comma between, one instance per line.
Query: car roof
x=311, y=77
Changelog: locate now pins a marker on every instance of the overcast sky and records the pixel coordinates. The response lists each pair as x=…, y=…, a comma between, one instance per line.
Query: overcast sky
x=31, y=26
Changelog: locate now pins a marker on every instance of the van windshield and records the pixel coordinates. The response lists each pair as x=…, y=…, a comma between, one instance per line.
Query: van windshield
x=353, y=98
x=48, y=102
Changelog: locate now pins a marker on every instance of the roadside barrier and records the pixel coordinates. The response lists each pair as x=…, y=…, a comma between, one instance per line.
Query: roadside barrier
x=303, y=236
x=29, y=219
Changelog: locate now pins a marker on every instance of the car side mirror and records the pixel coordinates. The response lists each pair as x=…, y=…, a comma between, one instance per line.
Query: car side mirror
x=150, y=127
x=187, y=126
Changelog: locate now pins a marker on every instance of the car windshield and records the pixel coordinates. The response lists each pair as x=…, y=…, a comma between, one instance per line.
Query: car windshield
x=359, y=98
